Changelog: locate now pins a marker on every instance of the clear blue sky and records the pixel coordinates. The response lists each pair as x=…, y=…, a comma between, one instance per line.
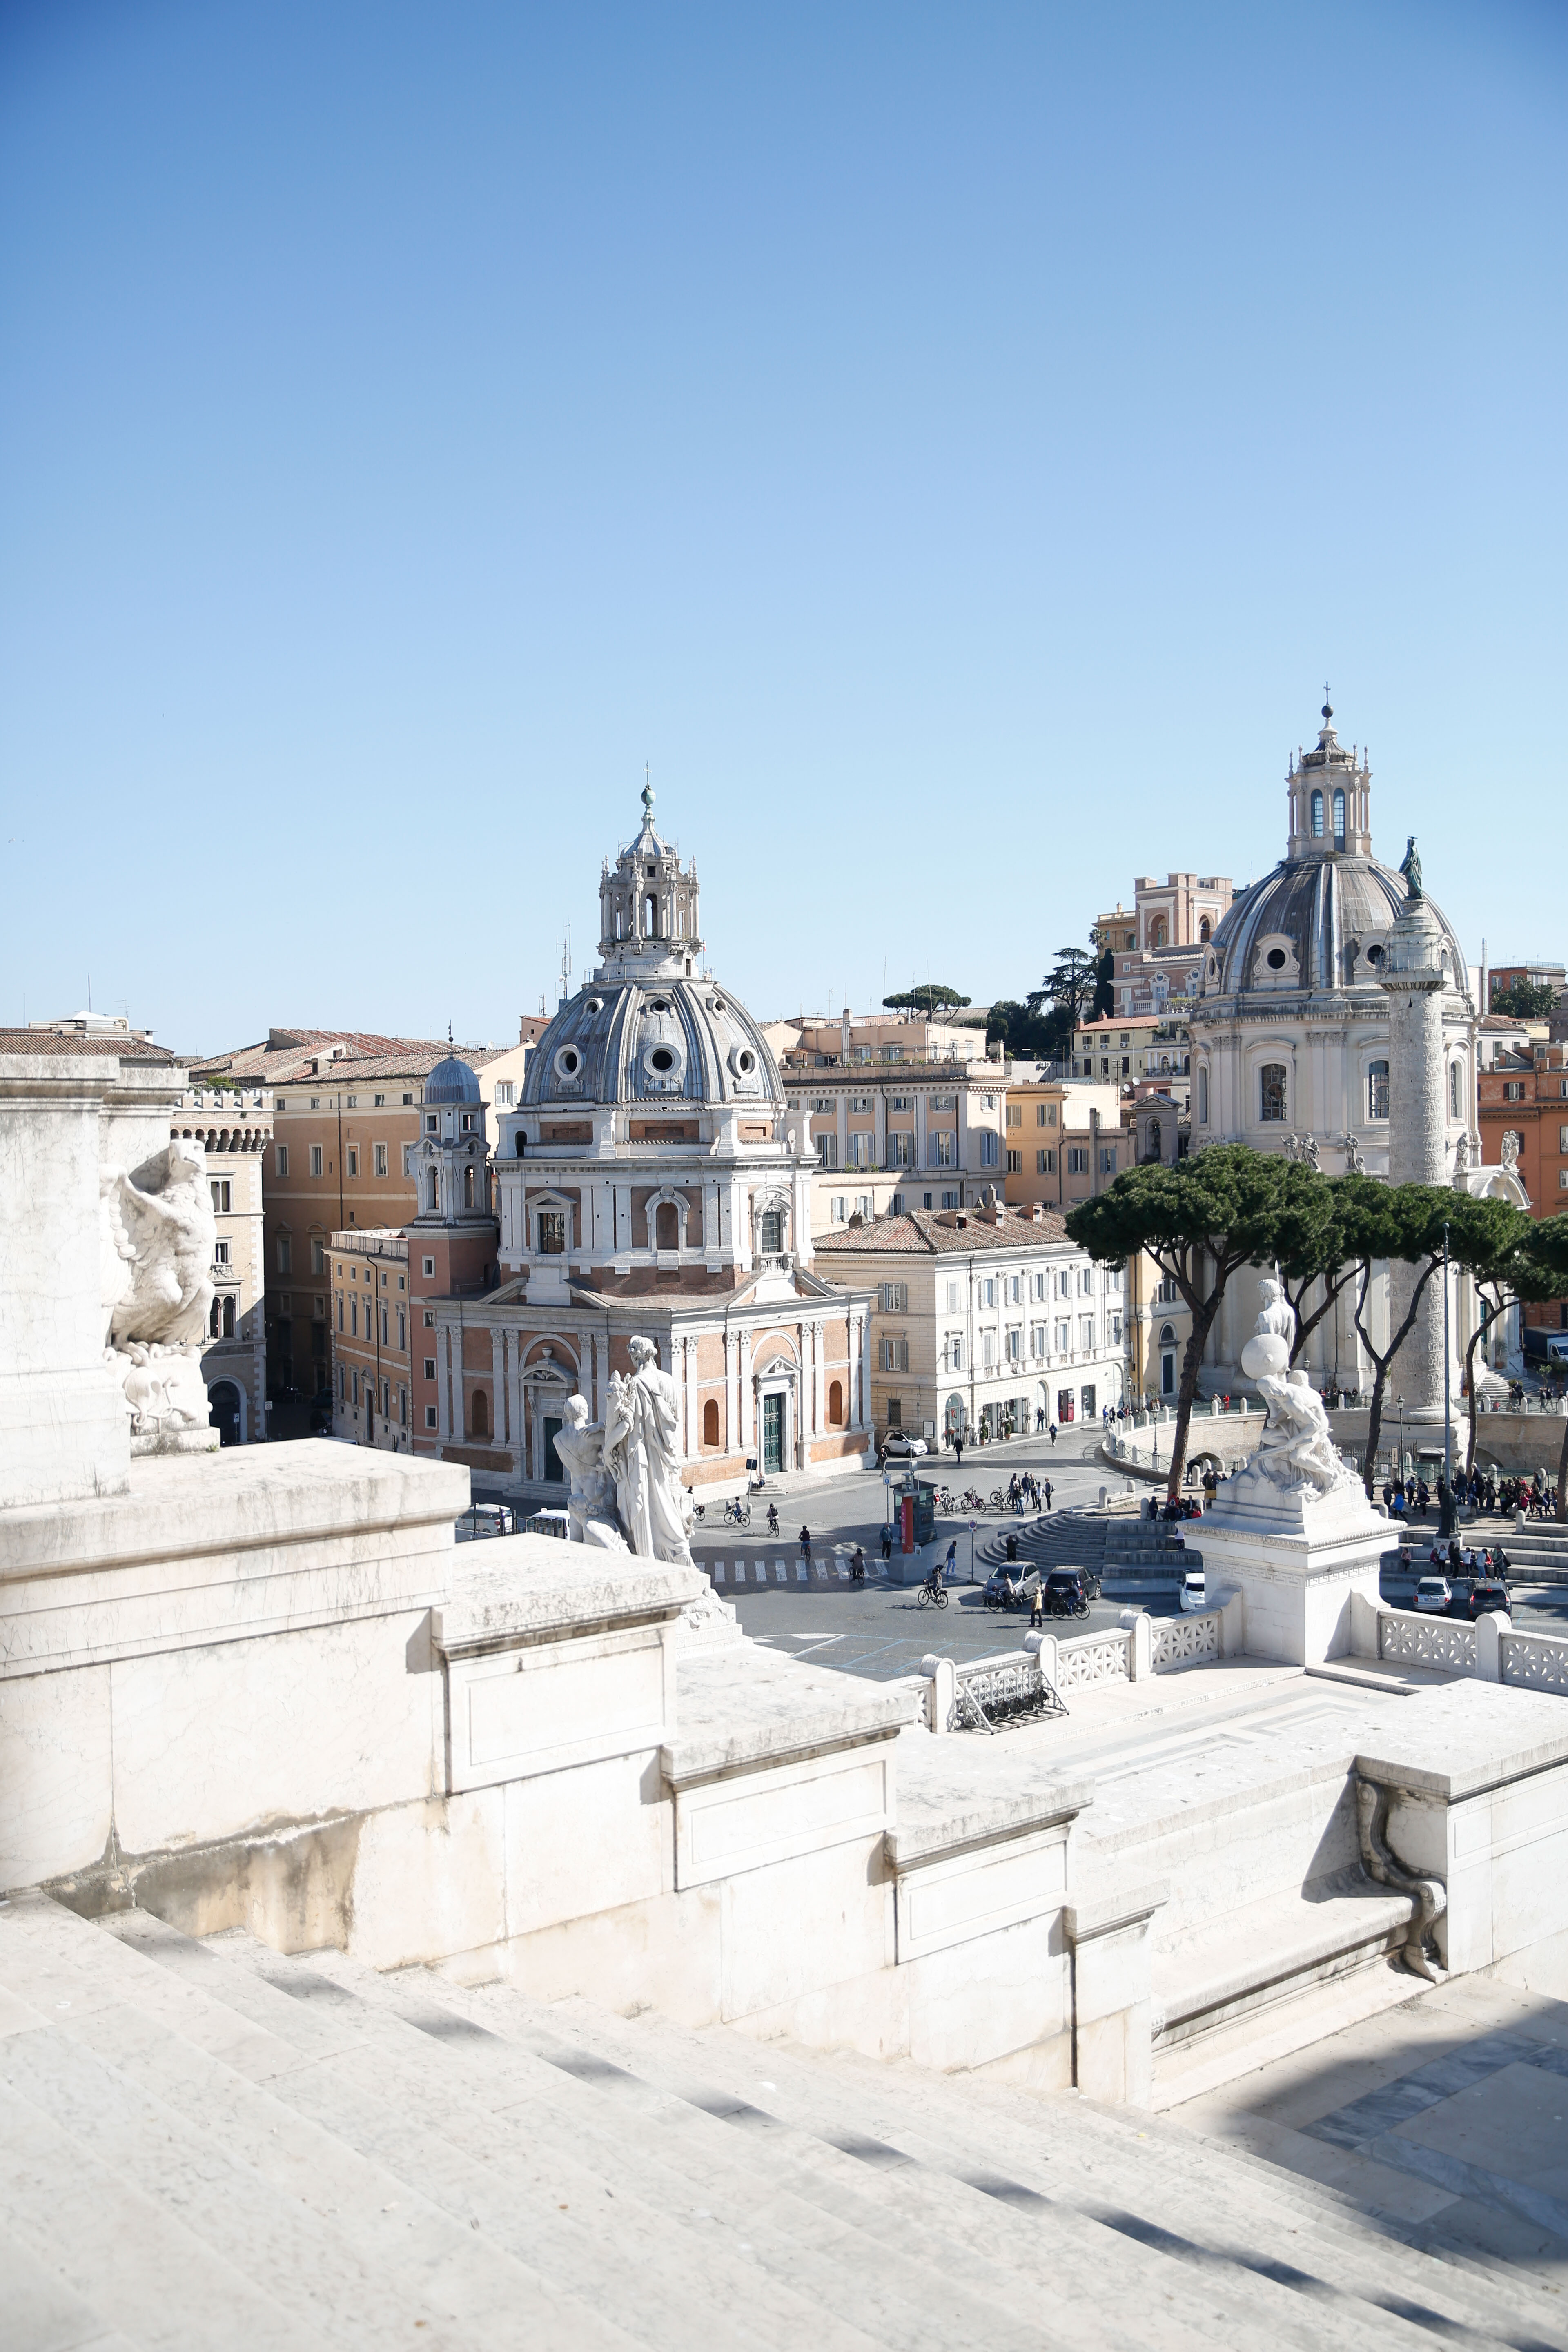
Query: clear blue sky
x=953, y=445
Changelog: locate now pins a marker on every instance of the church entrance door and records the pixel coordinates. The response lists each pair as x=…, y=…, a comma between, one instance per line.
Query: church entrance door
x=552, y=1469
x=772, y=1435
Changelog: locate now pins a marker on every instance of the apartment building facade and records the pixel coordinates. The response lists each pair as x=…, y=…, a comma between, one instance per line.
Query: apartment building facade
x=1063, y=1143
x=371, y=1332
x=1158, y=946
x=925, y=1135
x=1137, y=1050
x=1522, y=1110
x=984, y=1322
x=233, y=1126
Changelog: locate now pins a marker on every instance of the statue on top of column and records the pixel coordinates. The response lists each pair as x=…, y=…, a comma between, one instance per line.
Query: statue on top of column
x=1410, y=867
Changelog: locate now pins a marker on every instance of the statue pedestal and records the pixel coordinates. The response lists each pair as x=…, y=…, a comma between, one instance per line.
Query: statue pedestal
x=1299, y=1557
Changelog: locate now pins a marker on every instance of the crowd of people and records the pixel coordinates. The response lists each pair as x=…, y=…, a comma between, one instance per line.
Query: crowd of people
x=1479, y=1490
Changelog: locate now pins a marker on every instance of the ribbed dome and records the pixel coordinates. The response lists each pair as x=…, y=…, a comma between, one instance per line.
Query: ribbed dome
x=1314, y=923
x=452, y=1081
x=655, y=1041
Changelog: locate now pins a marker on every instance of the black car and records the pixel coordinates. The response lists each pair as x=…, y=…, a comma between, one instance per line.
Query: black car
x=1065, y=1593
x=1474, y=1596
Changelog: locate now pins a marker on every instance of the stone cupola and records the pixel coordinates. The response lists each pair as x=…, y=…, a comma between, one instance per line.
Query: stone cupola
x=1329, y=798
x=647, y=908
x=451, y=1159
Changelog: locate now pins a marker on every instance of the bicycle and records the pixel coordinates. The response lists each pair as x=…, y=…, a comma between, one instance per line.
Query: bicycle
x=737, y=1514
x=932, y=1594
x=998, y=1499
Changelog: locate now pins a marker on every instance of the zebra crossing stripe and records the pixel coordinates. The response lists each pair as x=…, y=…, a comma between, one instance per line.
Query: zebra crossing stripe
x=843, y=1573
x=781, y=1573
x=718, y=1571
x=802, y=1574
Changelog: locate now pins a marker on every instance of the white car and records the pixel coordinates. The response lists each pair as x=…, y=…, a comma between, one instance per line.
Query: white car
x=898, y=1447
x=1194, y=1593
x=1434, y=1592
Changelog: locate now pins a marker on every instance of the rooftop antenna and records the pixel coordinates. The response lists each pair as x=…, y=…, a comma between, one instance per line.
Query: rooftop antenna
x=566, y=965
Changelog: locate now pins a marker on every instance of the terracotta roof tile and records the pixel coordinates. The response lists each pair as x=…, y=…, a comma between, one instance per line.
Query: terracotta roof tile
x=922, y=1233
x=70, y=1041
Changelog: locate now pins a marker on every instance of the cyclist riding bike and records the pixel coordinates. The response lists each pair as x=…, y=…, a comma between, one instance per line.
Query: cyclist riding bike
x=773, y=1518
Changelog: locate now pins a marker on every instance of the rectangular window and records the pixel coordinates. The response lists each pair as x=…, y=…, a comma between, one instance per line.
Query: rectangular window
x=827, y=1151
x=1036, y=1338
x=1078, y=1160
x=402, y=1332
x=1064, y=1336
x=408, y=1159
x=989, y=1148
x=987, y=1350
x=950, y=1200
x=1108, y=1158
x=955, y=1351
x=898, y=1102
x=1045, y=1163
x=282, y=1159
x=895, y=1205
x=1513, y=1090
x=952, y=1297
x=943, y=1102
x=1015, y=1289
x=901, y=1149
x=551, y=1232
x=895, y=1355
x=840, y=1208
x=1014, y=1163
x=403, y=1408
x=988, y=1291
x=353, y=1102
x=895, y=1297
x=1562, y=1139
x=429, y=1319
x=353, y=1320
x=380, y=1158
x=1015, y=1114
x=938, y=1147
x=343, y=1383
x=1086, y=1333
x=383, y=1331
x=220, y=1254
x=285, y=1254
x=340, y=1310
x=315, y=1159
x=860, y=1104
x=822, y=1106
x=863, y=1203
x=353, y=1160
x=427, y=1265
x=429, y=1416
x=1015, y=1343
x=429, y=1368
x=223, y=1195
x=506, y=1090
x=1563, y=1179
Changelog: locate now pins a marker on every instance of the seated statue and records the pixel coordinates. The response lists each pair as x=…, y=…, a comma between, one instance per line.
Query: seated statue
x=1296, y=1449
x=591, y=1504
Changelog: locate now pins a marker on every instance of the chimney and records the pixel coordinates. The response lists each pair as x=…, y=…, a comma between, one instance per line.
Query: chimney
x=844, y=1035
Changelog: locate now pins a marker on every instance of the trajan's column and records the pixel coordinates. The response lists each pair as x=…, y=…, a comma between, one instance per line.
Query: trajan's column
x=1414, y=977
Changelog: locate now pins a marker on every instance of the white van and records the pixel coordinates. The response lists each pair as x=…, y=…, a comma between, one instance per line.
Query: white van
x=1194, y=1594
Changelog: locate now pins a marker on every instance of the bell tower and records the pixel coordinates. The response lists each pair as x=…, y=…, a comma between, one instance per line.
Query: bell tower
x=1329, y=798
x=648, y=909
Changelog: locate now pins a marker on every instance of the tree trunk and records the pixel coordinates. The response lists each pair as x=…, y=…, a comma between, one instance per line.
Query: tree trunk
x=1374, y=1424
x=1203, y=1323
x=1478, y=1334
x=1380, y=1376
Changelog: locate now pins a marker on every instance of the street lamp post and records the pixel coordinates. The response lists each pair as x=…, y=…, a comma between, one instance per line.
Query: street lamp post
x=1399, y=1402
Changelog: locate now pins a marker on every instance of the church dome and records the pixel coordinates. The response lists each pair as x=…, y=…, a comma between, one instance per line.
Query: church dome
x=452, y=1081
x=1321, y=919
x=649, y=1028
x=659, y=1042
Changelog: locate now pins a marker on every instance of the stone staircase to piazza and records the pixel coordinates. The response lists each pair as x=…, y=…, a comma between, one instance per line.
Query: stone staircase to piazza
x=1132, y=1557
x=207, y=2144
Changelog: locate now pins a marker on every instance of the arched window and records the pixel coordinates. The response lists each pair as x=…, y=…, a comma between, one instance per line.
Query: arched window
x=468, y=1186
x=1317, y=816
x=1339, y=816
x=433, y=1194
x=1377, y=1090
x=667, y=1226
x=770, y=1232
x=650, y=917
x=1271, y=1091
x=214, y=1321
x=1167, y=1335
x=710, y=1421
x=1456, y=1089
x=1205, y=930
x=1154, y=1149
x=1157, y=933
x=479, y=1414
x=228, y=1316
x=835, y=1404
x=1203, y=1095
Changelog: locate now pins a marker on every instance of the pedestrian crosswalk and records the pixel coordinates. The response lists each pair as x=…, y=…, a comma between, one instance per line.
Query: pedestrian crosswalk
x=814, y=1571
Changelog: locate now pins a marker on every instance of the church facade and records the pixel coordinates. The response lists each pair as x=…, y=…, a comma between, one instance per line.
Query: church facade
x=1333, y=1020
x=649, y=1182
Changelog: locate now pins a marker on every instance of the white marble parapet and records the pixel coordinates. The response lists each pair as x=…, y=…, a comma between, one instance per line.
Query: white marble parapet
x=528, y=1589
x=215, y=1547
x=1462, y=1739
x=964, y=1795
x=742, y=1709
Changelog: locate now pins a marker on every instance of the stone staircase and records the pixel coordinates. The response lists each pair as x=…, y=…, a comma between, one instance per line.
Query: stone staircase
x=1538, y=1554
x=1132, y=1557
x=208, y=2144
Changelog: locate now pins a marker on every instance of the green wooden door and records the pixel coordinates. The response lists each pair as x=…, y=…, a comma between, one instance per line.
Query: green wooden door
x=772, y=1433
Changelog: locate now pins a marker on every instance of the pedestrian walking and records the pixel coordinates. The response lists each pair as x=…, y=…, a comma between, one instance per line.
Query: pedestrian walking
x=957, y=1453
x=1046, y=1491
x=1053, y=1432
x=806, y=1543
x=950, y=1566
x=887, y=1543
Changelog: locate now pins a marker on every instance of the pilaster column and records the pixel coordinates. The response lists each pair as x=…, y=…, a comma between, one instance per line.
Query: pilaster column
x=819, y=1385
x=690, y=1347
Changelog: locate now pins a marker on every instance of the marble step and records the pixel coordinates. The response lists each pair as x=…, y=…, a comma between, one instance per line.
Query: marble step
x=960, y=2147
x=41, y=2312
x=817, y=2188
x=1253, y=1958
x=344, y=2255
x=1179, y=2176
x=548, y=2152
x=905, y=2301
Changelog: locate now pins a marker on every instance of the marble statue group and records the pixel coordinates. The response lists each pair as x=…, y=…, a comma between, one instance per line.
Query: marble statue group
x=1296, y=1453
x=157, y=1238
x=625, y=1489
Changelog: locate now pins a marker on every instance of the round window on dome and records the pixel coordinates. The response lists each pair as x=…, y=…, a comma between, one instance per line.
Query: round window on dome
x=1374, y=956
x=568, y=1062
x=662, y=1060
x=1276, y=959
x=595, y=1004
x=658, y=1006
